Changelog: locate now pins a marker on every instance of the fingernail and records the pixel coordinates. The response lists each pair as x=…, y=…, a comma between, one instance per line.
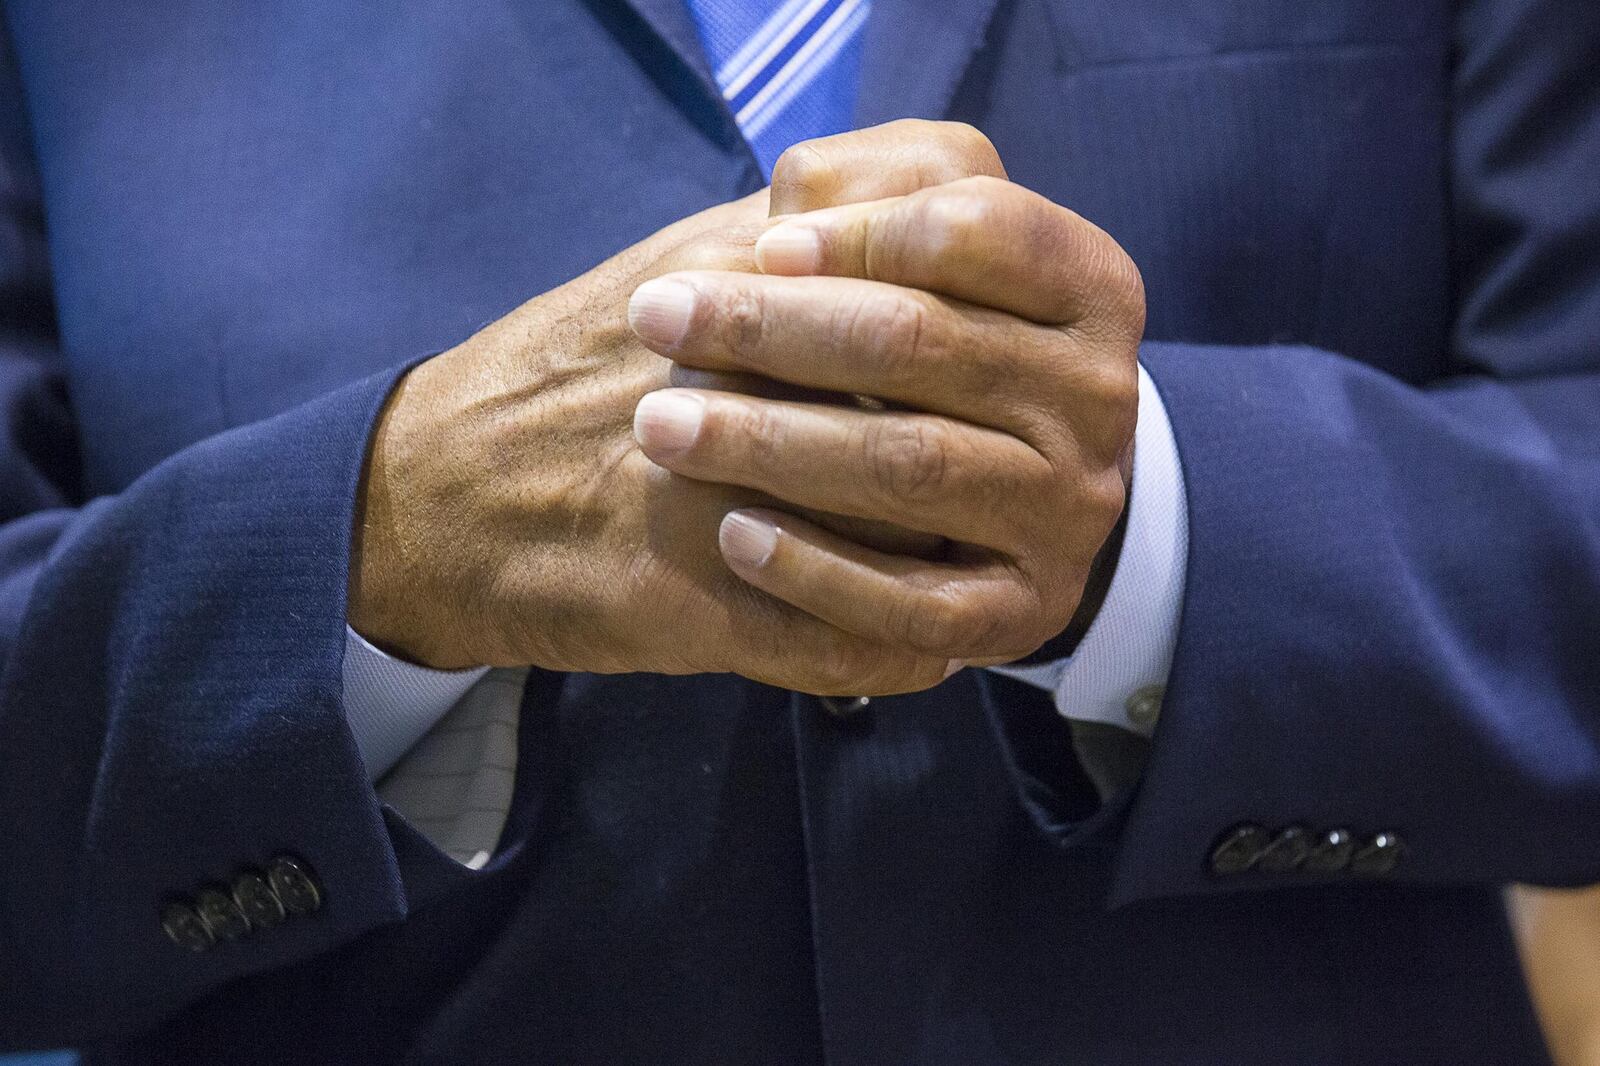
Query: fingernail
x=789, y=249
x=667, y=423
x=746, y=540
x=954, y=666
x=660, y=311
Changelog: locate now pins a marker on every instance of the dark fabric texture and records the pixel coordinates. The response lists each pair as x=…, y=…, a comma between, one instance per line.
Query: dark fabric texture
x=1368, y=232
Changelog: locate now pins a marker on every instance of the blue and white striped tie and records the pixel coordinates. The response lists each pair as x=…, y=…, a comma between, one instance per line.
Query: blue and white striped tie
x=788, y=68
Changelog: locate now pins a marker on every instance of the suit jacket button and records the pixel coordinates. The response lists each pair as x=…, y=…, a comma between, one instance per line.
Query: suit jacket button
x=845, y=706
x=185, y=928
x=1238, y=850
x=1330, y=852
x=296, y=886
x=1286, y=852
x=256, y=899
x=1379, y=856
x=218, y=910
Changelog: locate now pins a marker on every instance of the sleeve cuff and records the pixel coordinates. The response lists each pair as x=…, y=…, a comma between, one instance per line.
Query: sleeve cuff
x=390, y=703
x=1116, y=674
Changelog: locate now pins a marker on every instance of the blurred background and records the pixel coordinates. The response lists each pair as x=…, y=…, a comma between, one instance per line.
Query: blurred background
x=1559, y=932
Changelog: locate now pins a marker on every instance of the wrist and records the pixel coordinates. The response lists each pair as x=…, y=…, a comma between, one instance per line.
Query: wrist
x=390, y=603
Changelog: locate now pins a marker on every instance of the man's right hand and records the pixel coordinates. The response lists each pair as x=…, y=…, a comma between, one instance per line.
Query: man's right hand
x=508, y=517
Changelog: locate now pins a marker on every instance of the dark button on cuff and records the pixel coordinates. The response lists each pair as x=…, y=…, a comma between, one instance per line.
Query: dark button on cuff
x=1330, y=852
x=221, y=913
x=1238, y=850
x=1378, y=856
x=1286, y=852
x=297, y=888
x=185, y=928
x=256, y=899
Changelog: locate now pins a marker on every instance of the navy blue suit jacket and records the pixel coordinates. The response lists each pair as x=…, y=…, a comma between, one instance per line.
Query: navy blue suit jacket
x=1369, y=233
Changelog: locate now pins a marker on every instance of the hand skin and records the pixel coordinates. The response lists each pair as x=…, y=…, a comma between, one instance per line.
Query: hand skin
x=1003, y=332
x=506, y=516
x=509, y=517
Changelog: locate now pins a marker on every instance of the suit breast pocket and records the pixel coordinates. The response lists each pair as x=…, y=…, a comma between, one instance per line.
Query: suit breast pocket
x=1133, y=31
x=1277, y=170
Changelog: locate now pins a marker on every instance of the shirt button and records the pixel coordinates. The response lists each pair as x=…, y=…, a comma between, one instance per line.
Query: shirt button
x=1144, y=706
x=845, y=706
x=185, y=928
x=257, y=900
x=296, y=887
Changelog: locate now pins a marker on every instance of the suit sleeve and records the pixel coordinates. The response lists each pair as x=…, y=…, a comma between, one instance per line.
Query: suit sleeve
x=170, y=709
x=1392, y=616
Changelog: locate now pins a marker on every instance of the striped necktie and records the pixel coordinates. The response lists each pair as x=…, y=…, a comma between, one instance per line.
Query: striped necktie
x=788, y=68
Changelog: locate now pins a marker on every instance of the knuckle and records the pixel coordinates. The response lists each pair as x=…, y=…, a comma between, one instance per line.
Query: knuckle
x=883, y=238
x=741, y=322
x=891, y=330
x=1015, y=363
x=759, y=432
x=958, y=214
x=890, y=670
x=1107, y=496
x=1118, y=384
x=1098, y=500
x=1113, y=384
x=964, y=213
x=736, y=244
x=1026, y=619
x=728, y=247
x=909, y=459
x=983, y=156
x=914, y=129
x=896, y=671
x=709, y=252
x=985, y=187
x=949, y=622
x=974, y=148
x=968, y=133
x=910, y=672
x=806, y=169
x=921, y=139
x=1120, y=286
x=1011, y=490
x=943, y=151
x=1126, y=285
x=839, y=666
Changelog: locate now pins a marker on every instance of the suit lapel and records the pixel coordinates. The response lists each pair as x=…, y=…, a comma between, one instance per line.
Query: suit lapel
x=915, y=54
x=672, y=24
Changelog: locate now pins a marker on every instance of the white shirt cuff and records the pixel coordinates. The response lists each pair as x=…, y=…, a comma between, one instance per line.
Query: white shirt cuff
x=391, y=703
x=1118, y=672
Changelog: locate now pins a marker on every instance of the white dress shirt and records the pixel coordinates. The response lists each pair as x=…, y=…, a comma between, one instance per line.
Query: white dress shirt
x=457, y=784
x=1117, y=673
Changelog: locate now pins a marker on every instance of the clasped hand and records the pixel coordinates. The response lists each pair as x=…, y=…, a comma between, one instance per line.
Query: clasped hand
x=678, y=462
